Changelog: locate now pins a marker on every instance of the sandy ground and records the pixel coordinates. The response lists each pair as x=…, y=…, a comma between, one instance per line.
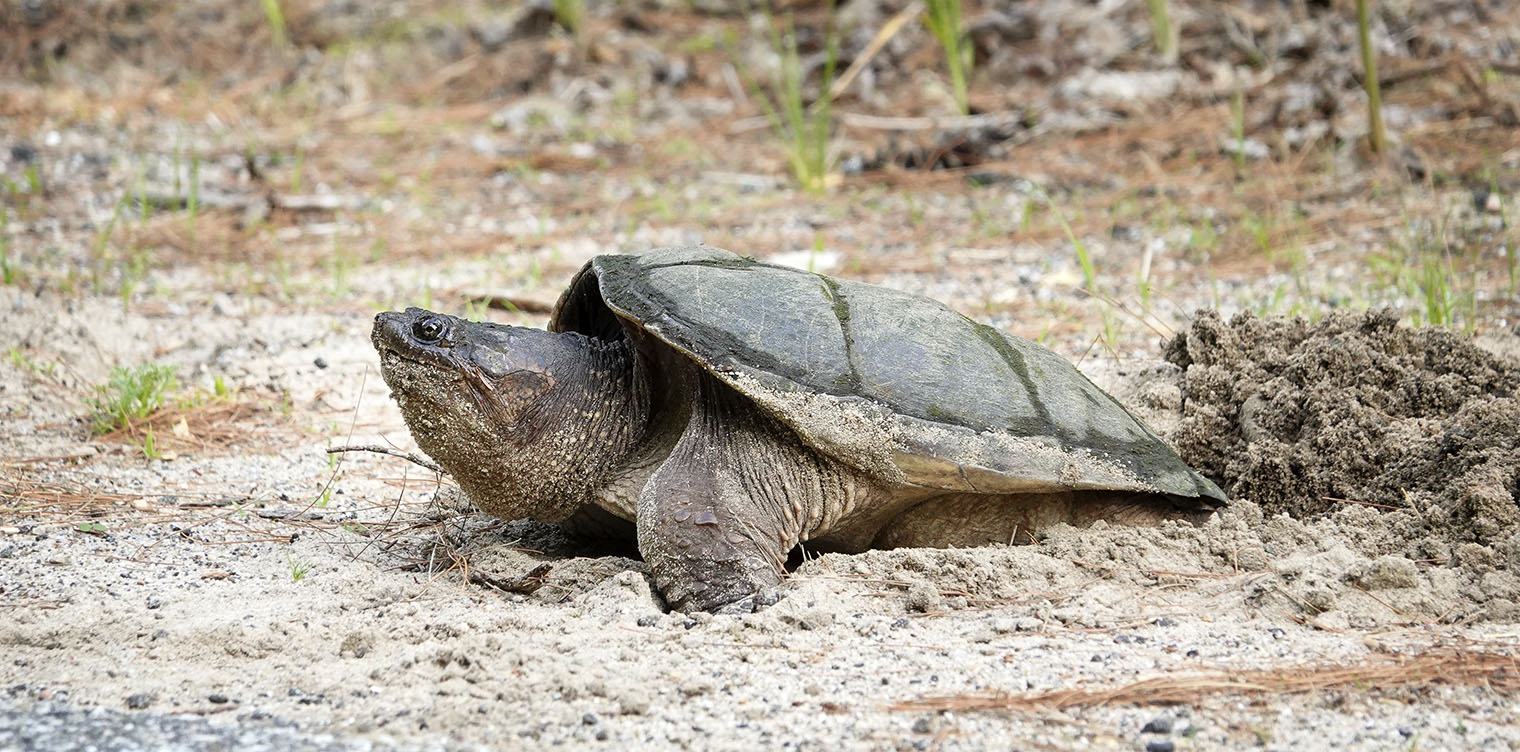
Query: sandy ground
x=193, y=185
x=186, y=599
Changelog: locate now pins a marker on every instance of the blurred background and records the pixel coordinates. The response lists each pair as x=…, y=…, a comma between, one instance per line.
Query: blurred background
x=1083, y=173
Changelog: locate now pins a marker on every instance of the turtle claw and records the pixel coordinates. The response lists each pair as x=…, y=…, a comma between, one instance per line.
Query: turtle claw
x=745, y=605
x=751, y=603
x=767, y=597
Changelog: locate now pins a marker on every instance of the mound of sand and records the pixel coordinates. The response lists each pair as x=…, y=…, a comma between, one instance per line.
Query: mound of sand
x=1403, y=442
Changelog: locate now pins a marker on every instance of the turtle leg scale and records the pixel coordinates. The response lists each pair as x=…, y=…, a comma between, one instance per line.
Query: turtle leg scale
x=736, y=494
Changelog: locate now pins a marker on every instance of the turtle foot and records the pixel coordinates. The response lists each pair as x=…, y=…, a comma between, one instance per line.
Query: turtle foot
x=750, y=603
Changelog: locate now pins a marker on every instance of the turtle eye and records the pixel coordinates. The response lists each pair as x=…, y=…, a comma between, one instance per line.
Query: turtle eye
x=428, y=330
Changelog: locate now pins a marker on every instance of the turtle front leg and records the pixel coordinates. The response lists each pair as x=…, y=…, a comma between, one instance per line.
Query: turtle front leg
x=716, y=521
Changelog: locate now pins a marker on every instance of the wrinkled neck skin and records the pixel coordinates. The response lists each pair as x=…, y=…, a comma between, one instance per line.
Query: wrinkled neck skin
x=537, y=446
x=575, y=436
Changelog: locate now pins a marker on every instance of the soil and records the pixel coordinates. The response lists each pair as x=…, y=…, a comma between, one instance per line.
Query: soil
x=1328, y=334
x=1355, y=409
x=1356, y=413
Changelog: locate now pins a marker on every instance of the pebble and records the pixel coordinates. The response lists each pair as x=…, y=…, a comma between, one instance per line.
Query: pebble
x=1160, y=745
x=1159, y=725
x=922, y=596
x=633, y=702
x=23, y=152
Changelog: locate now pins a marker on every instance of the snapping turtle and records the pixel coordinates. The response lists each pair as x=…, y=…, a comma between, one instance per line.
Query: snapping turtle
x=732, y=409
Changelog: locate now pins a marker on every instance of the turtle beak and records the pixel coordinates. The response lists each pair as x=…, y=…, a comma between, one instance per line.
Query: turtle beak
x=389, y=331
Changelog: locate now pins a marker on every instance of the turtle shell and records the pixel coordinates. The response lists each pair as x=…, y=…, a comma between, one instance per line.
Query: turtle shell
x=894, y=384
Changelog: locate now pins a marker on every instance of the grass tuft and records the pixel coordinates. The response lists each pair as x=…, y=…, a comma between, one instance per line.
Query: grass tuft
x=298, y=567
x=1162, y=31
x=8, y=274
x=274, y=17
x=802, y=128
x=1375, y=135
x=130, y=394
x=944, y=21
x=570, y=14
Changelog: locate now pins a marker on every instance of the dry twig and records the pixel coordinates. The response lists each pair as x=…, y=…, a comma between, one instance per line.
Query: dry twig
x=1449, y=667
x=415, y=459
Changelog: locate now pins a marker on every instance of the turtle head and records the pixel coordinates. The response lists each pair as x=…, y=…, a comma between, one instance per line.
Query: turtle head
x=524, y=419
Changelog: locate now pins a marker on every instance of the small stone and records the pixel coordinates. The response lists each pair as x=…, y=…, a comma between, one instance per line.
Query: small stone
x=23, y=152
x=1251, y=559
x=355, y=645
x=491, y=34
x=648, y=620
x=696, y=687
x=767, y=597
x=320, y=362
x=139, y=701
x=589, y=719
x=1159, y=725
x=922, y=597
x=923, y=726
x=1386, y=573
x=1406, y=732
x=1160, y=745
x=633, y=702
x=217, y=698
x=222, y=304
x=1248, y=148
x=1164, y=622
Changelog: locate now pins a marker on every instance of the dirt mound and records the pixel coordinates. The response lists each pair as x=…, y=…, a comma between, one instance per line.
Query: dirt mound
x=1303, y=417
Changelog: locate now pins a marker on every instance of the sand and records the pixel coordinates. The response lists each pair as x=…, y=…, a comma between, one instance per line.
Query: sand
x=214, y=585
